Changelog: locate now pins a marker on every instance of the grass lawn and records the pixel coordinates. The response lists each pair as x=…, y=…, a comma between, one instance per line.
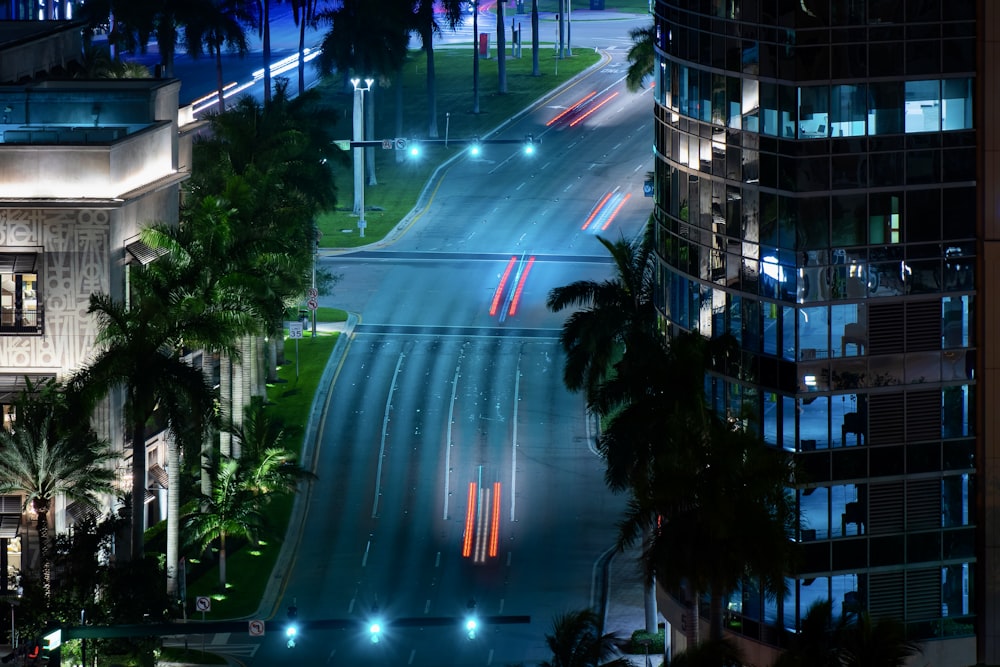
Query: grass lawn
x=248, y=569
x=400, y=183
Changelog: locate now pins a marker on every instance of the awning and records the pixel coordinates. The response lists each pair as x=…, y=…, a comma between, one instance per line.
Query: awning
x=142, y=253
x=10, y=516
x=18, y=262
x=157, y=475
x=79, y=511
x=12, y=384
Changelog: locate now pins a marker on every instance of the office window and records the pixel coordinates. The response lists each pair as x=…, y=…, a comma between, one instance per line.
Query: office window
x=886, y=114
x=814, y=112
x=957, y=104
x=923, y=106
x=848, y=110
x=20, y=306
x=751, y=105
x=769, y=109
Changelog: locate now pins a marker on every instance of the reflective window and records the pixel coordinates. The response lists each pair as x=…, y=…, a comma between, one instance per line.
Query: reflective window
x=19, y=303
x=814, y=423
x=956, y=111
x=848, y=110
x=814, y=114
x=923, y=106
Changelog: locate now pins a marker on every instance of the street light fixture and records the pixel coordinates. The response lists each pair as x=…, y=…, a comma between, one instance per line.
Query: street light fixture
x=359, y=154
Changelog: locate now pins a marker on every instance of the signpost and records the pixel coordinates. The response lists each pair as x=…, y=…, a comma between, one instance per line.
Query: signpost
x=255, y=627
x=295, y=332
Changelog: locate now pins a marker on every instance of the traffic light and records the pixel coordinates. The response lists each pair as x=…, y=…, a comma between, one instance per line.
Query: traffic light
x=475, y=148
x=529, y=145
x=471, y=622
x=375, y=632
x=292, y=630
x=414, y=149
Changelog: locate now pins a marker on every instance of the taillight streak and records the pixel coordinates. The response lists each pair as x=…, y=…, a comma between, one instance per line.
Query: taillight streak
x=597, y=209
x=615, y=212
x=571, y=109
x=470, y=514
x=500, y=288
x=593, y=109
x=495, y=522
x=520, y=286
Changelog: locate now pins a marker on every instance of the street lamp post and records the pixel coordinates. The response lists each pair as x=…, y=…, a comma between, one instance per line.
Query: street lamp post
x=359, y=154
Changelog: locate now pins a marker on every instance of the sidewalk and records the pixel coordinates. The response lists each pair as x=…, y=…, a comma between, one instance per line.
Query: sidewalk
x=625, y=612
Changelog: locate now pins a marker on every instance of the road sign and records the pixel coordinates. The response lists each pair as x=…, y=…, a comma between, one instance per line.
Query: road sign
x=387, y=144
x=295, y=329
x=313, y=292
x=647, y=188
x=256, y=627
x=203, y=602
x=312, y=303
x=400, y=143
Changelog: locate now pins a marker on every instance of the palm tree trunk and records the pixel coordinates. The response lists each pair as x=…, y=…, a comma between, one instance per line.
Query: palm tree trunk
x=475, y=58
x=501, y=50
x=218, y=78
x=138, y=485
x=369, y=136
x=694, y=625
x=649, y=593
x=302, y=48
x=44, y=552
x=173, y=512
x=397, y=87
x=715, y=617
x=226, y=408
x=222, y=560
x=432, y=126
x=535, y=69
x=266, y=48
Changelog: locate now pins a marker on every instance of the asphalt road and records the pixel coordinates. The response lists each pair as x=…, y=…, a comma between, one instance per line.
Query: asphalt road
x=453, y=464
x=453, y=378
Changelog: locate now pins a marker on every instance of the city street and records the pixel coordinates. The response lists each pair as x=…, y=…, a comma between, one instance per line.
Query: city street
x=454, y=467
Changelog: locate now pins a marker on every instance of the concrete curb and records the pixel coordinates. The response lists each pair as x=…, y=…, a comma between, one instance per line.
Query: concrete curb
x=310, y=445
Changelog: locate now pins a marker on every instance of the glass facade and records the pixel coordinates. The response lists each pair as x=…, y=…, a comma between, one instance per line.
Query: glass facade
x=816, y=199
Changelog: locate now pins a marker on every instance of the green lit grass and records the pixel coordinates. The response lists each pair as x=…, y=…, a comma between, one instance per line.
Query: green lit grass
x=249, y=568
x=399, y=183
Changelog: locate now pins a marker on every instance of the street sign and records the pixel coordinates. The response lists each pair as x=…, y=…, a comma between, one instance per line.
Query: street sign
x=647, y=188
x=313, y=292
x=203, y=602
x=295, y=329
x=255, y=627
x=387, y=144
x=312, y=303
x=400, y=143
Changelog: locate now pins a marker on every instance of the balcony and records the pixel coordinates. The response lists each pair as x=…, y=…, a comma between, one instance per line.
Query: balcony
x=22, y=321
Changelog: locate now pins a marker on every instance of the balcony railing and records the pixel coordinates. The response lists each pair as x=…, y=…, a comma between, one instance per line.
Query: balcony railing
x=22, y=320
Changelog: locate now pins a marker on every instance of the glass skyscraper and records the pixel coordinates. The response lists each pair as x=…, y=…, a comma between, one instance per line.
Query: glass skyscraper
x=818, y=197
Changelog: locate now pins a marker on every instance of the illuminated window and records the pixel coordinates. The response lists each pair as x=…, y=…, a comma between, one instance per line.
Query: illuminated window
x=20, y=306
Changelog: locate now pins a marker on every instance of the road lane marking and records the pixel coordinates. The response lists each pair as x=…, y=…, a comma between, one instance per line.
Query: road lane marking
x=364, y=559
x=448, y=444
x=413, y=654
x=513, y=441
x=385, y=428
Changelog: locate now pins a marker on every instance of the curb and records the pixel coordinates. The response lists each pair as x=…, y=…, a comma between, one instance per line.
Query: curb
x=310, y=445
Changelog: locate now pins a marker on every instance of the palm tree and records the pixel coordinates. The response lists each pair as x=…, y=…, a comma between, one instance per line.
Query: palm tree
x=819, y=640
x=850, y=640
x=614, y=313
x=270, y=468
x=219, y=24
x=427, y=26
x=232, y=509
x=712, y=653
x=719, y=510
x=501, y=51
x=878, y=642
x=304, y=14
x=576, y=641
x=641, y=56
x=140, y=347
x=51, y=450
